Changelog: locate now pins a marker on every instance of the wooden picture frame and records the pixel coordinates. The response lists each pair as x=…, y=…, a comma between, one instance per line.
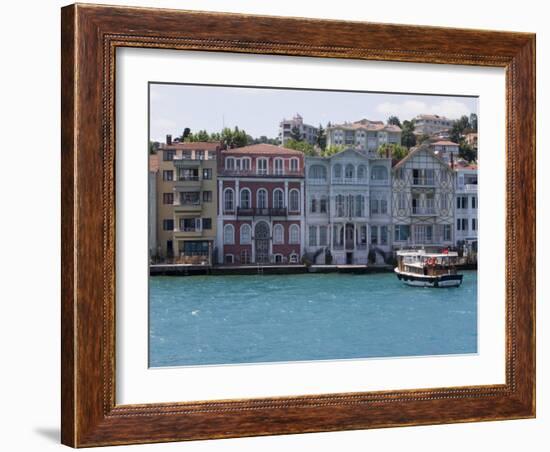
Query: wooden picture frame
x=90, y=36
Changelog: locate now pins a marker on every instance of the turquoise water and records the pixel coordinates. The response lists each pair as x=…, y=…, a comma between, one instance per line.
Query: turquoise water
x=268, y=318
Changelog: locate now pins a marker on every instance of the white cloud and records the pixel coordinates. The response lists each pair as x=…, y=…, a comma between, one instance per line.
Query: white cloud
x=408, y=109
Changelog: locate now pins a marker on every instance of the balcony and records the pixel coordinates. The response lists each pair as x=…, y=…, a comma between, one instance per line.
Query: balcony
x=188, y=233
x=261, y=212
x=261, y=173
x=187, y=207
x=349, y=181
x=188, y=181
x=425, y=211
x=470, y=188
x=317, y=181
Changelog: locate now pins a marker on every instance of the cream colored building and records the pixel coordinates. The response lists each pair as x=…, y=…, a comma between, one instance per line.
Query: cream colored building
x=186, y=201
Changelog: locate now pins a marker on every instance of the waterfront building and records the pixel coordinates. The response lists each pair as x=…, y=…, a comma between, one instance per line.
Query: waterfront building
x=348, y=207
x=187, y=201
x=152, y=204
x=308, y=133
x=466, y=205
x=364, y=135
x=261, y=205
x=431, y=124
x=445, y=149
x=471, y=139
x=422, y=200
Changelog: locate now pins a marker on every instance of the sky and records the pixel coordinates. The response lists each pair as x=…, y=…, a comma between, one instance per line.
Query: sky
x=174, y=107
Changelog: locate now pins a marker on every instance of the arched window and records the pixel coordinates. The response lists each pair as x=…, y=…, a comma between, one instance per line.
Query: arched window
x=246, y=201
x=294, y=200
x=278, y=199
x=228, y=234
x=350, y=171
x=246, y=163
x=361, y=172
x=261, y=166
x=317, y=172
x=246, y=234
x=278, y=234
x=228, y=200
x=294, y=234
x=379, y=173
x=230, y=163
x=294, y=163
x=261, y=198
x=337, y=171
x=279, y=166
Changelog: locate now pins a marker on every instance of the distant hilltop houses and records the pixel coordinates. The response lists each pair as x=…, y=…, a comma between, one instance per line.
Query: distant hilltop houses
x=212, y=204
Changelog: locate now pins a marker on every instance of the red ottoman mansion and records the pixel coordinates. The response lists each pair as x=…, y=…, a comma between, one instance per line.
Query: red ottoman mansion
x=260, y=205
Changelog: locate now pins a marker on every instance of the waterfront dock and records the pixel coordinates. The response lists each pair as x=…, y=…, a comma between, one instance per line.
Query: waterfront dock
x=189, y=270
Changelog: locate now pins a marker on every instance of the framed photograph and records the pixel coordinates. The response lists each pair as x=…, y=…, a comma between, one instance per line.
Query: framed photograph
x=282, y=225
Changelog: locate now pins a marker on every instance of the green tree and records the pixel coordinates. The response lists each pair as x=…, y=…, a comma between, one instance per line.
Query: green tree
x=184, y=135
x=201, y=135
x=408, y=138
x=422, y=138
x=302, y=146
x=233, y=138
x=466, y=152
x=394, y=121
x=153, y=147
x=331, y=150
x=396, y=151
x=321, y=138
x=295, y=134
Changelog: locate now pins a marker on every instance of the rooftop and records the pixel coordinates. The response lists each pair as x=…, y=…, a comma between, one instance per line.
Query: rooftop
x=444, y=143
x=436, y=117
x=263, y=149
x=193, y=145
x=366, y=124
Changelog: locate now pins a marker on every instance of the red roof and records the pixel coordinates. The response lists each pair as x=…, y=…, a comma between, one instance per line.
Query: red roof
x=263, y=149
x=444, y=143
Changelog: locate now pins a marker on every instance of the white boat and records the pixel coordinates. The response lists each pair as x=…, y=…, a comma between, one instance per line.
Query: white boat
x=422, y=269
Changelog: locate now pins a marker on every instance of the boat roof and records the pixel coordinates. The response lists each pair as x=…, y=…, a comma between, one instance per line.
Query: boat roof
x=424, y=254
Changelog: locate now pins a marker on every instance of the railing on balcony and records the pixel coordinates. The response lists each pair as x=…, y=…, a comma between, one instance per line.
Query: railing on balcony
x=188, y=179
x=468, y=187
x=261, y=173
x=316, y=181
x=259, y=212
x=350, y=181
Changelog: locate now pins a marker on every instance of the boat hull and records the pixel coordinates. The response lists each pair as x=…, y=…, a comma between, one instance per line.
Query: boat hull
x=439, y=281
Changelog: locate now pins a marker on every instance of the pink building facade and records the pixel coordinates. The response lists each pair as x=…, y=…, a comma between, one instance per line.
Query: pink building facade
x=260, y=205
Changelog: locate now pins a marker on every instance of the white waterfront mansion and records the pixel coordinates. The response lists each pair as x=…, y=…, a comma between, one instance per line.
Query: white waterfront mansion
x=364, y=135
x=466, y=206
x=423, y=200
x=348, y=209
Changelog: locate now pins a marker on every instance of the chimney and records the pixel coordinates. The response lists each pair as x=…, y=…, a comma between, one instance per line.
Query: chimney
x=169, y=140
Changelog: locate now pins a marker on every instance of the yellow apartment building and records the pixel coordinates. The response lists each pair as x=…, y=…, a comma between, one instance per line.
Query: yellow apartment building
x=186, y=202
